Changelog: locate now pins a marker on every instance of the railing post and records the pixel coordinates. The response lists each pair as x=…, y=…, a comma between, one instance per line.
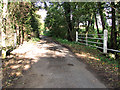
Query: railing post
x=76, y=36
x=105, y=41
x=86, y=38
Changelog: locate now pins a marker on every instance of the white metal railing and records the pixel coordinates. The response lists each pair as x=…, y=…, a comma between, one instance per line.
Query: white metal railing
x=83, y=39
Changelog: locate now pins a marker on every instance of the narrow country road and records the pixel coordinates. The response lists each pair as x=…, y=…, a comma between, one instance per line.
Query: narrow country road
x=55, y=67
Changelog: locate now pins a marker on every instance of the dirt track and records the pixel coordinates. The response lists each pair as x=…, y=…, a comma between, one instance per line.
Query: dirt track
x=54, y=67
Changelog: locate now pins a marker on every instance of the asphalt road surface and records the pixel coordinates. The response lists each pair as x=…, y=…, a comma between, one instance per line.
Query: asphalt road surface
x=55, y=67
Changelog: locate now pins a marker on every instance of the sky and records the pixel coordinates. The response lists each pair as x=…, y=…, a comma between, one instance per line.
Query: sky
x=43, y=13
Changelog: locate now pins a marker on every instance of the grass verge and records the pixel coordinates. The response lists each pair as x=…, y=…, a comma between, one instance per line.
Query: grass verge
x=105, y=67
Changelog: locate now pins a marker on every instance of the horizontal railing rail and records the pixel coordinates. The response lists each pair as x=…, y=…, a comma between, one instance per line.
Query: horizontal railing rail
x=113, y=50
x=86, y=40
x=91, y=38
x=92, y=34
x=90, y=41
x=92, y=45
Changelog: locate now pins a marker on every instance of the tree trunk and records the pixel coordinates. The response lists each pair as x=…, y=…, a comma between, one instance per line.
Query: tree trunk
x=89, y=22
x=15, y=38
x=101, y=15
x=3, y=30
x=22, y=35
x=113, y=30
x=68, y=19
x=33, y=21
x=15, y=33
x=19, y=36
x=119, y=29
x=96, y=25
x=87, y=28
x=118, y=23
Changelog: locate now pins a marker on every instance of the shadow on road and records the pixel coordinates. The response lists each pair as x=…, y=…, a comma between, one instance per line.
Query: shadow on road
x=55, y=66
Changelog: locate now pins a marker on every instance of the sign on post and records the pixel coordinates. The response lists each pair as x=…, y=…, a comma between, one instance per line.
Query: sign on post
x=105, y=41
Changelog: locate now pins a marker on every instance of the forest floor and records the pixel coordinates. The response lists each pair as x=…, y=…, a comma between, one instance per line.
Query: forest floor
x=46, y=64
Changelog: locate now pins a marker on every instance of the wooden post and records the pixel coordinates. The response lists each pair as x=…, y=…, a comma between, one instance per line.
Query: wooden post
x=76, y=36
x=105, y=41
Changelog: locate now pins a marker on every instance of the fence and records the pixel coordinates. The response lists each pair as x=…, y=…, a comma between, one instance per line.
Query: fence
x=85, y=39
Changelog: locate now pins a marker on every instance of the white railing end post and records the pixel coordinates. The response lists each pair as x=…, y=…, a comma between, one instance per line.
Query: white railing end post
x=76, y=36
x=105, y=41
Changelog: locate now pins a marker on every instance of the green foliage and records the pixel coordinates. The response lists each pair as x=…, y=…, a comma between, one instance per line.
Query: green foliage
x=47, y=33
x=55, y=21
x=24, y=16
x=35, y=39
x=85, y=49
x=21, y=22
x=63, y=19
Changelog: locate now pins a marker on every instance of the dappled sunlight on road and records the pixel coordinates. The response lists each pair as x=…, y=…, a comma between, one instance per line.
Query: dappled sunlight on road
x=27, y=55
x=94, y=58
x=46, y=64
x=34, y=61
x=13, y=69
x=26, y=67
x=80, y=55
x=15, y=73
x=83, y=55
x=14, y=66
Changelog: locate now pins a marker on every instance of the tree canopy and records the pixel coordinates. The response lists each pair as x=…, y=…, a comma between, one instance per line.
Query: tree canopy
x=63, y=19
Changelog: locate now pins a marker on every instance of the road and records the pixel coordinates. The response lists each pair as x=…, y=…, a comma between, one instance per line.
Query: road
x=55, y=67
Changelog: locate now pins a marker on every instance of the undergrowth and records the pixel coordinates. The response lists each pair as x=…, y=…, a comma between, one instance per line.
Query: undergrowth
x=36, y=39
x=88, y=50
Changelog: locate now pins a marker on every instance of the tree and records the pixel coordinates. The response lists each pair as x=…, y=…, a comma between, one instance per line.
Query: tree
x=70, y=15
x=21, y=20
x=100, y=8
x=67, y=9
x=113, y=30
x=3, y=29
